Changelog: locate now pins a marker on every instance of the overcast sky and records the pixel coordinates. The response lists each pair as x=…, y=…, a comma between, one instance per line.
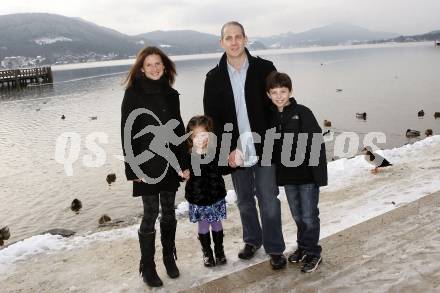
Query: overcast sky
x=260, y=18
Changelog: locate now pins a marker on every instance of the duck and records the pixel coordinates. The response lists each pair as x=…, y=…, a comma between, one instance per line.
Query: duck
x=76, y=205
x=111, y=178
x=339, y=90
x=63, y=117
x=428, y=132
x=375, y=159
x=412, y=133
x=104, y=219
x=437, y=115
x=327, y=123
x=93, y=117
x=362, y=115
x=421, y=113
x=4, y=234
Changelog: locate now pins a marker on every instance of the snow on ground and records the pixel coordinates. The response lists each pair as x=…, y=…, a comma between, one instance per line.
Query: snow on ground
x=353, y=196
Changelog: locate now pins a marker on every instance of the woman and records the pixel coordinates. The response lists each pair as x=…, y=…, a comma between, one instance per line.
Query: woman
x=150, y=94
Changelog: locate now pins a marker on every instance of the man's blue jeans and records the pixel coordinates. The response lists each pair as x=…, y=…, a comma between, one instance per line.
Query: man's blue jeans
x=259, y=181
x=303, y=202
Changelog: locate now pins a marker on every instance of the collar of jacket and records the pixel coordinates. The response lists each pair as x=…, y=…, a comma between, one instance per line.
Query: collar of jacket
x=289, y=107
x=150, y=86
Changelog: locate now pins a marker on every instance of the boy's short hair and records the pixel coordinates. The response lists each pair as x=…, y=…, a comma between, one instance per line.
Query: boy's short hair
x=278, y=79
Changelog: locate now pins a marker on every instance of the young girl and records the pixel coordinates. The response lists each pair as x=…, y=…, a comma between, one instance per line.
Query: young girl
x=205, y=191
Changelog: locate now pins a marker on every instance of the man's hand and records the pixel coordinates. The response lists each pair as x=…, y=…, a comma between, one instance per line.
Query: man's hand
x=235, y=159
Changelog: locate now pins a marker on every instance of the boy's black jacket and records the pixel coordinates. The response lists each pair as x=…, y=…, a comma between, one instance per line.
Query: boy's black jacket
x=208, y=188
x=296, y=119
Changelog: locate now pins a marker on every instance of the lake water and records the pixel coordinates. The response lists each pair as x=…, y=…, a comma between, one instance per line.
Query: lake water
x=391, y=83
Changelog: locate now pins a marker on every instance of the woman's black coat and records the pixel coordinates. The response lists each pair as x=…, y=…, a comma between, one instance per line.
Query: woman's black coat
x=161, y=99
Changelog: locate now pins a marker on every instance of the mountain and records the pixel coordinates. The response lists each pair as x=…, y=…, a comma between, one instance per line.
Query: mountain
x=68, y=39
x=431, y=36
x=50, y=35
x=182, y=41
x=334, y=34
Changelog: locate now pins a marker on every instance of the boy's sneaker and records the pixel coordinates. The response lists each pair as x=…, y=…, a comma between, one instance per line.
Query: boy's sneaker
x=297, y=256
x=277, y=261
x=310, y=263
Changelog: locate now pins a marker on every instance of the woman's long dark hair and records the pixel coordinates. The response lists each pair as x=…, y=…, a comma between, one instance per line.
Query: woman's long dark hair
x=169, y=71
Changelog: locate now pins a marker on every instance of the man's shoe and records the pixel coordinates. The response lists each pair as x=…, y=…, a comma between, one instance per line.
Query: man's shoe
x=277, y=261
x=247, y=252
x=311, y=263
x=297, y=256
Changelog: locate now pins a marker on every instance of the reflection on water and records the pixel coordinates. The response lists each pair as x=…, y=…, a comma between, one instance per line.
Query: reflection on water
x=29, y=92
x=391, y=84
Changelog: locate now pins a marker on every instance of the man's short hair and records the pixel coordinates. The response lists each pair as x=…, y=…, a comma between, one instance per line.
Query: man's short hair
x=236, y=23
x=278, y=79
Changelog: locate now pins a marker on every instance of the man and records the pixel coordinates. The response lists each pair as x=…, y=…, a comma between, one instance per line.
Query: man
x=235, y=94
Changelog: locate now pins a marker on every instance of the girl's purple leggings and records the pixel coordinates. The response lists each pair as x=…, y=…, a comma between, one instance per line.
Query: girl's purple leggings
x=204, y=226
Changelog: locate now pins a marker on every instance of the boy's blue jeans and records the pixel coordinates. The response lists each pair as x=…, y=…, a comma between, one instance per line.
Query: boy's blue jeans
x=303, y=202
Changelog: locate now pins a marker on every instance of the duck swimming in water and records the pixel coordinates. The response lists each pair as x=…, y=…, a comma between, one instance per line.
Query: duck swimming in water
x=361, y=115
x=327, y=123
x=412, y=133
x=76, y=205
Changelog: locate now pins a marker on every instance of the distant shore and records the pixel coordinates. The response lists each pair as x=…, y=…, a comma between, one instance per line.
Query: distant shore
x=266, y=52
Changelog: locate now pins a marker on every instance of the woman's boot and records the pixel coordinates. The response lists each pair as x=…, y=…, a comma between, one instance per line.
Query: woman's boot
x=147, y=267
x=167, y=237
x=208, y=257
x=217, y=237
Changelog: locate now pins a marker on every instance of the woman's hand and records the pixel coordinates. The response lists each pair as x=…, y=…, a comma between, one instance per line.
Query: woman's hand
x=184, y=174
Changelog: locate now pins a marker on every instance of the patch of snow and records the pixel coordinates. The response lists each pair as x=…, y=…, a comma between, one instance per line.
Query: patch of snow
x=48, y=41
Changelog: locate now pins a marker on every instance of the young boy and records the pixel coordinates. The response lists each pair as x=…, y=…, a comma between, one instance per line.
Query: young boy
x=301, y=169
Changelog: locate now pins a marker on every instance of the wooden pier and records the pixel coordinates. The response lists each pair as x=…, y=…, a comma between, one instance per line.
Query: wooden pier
x=18, y=78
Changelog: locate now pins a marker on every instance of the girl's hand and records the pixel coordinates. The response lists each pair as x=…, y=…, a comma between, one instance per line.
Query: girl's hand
x=185, y=174
x=137, y=180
